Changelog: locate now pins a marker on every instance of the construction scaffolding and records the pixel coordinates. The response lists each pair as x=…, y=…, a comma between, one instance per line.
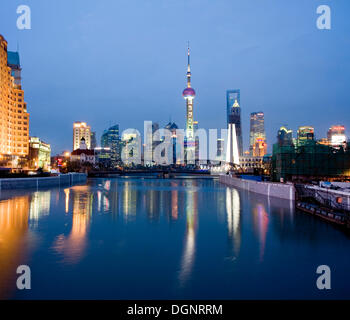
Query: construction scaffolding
x=310, y=161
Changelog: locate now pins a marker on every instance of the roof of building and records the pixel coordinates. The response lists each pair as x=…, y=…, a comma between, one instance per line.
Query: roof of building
x=13, y=58
x=171, y=125
x=78, y=152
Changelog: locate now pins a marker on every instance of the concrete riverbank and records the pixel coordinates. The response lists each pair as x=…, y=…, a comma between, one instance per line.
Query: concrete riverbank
x=270, y=189
x=42, y=182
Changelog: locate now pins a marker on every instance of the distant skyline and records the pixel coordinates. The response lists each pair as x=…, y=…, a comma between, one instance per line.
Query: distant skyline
x=123, y=62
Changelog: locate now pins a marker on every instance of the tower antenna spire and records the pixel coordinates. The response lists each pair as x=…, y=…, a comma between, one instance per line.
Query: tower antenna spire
x=188, y=52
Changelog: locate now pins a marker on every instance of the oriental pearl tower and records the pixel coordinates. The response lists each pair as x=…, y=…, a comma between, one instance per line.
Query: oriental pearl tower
x=189, y=95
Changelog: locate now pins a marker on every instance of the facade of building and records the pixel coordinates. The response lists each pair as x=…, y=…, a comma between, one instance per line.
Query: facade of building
x=305, y=134
x=131, y=148
x=103, y=157
x=235, y=118
x=81, y=130
x=309, y=160
x=285, y=136
x=39, y=154
x=220, y=149
x=172, y=127
x=336, y=136
x=111, y=139
x=83, y=154
x=250, y=163
x=257, y=137
x=231, y=97
x=14, y=118
x=93, y=140
x=189, y=95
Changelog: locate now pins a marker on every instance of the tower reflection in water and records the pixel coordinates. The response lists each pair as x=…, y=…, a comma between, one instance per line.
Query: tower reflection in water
x=233, y=210
x=188, y=256
x=72, y=247
x=260, y=223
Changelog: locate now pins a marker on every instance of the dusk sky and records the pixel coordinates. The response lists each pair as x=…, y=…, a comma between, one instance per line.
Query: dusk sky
x=122, y=62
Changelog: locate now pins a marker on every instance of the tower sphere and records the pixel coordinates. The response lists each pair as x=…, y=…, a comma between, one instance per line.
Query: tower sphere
x=189, y=93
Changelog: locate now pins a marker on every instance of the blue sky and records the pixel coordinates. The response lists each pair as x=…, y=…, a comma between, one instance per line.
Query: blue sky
x=124, y=62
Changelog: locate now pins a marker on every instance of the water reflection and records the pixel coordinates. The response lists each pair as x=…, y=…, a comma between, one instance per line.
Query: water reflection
x=233, y=210
x=260, y=223
x=73, y=246
x=14, y=216
x=190, y=237
x=39, y=206
x=185, y=226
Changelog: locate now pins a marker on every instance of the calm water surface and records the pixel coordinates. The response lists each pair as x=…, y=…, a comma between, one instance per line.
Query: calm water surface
x=164, y=239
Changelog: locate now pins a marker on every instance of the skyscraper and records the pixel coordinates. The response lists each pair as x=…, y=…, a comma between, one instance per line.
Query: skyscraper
x=172, y=127
x=14, y=120
x=257, y=138
x=81, y=130
x=231, y=97
x=189, y=95
x=111, y=139
x=285, y=136
x=305, y=133
x=93, y=140
x=336, y=136
x=131, y=148
x=235, y=118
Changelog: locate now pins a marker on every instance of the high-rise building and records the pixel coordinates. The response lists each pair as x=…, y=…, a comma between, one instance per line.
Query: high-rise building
x=220, y=146
x=196, y=139
x=231, y=97
x=285, y=136
x=111, y=139
x=81, y=130
x=14, y=119
x=336, y=136
x=189, y=95
x=93, y=140
x=152, y=139
x=235, y=118
x=305, y=134
x=257, y=138
x=131, y=148
x=39, y=154
x=172, y=127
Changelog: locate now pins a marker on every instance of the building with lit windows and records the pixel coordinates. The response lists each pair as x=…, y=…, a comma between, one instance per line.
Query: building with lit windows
x=111, y=139
x=81, y=130
x=83, y=154
x=305, y=134
x=39, y=154
x=103, y=157
x=285, y=136
x=14, y=118
x=257, y=138
x=234, y=118
x=172, y=127
x=336, y=136
x=231, y=97
x=131, y=148
x=93, y=143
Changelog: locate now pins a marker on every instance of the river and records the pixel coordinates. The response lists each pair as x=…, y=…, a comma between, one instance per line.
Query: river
x=132, y=238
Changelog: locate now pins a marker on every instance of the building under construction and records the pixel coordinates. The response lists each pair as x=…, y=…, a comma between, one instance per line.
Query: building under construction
x=310, y=160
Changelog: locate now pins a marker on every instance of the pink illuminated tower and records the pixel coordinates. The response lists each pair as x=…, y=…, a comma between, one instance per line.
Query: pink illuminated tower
x=189, y=95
